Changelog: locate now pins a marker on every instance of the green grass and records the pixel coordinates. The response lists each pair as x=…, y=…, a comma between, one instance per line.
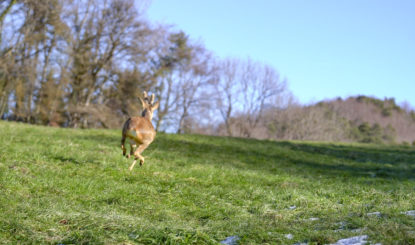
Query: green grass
x=66, y=186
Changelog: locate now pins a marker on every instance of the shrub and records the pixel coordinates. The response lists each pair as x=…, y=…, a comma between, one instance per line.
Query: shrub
x=386, y=112
x=373, y=134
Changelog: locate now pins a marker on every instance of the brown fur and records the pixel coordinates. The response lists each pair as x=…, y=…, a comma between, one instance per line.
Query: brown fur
x=139, y=130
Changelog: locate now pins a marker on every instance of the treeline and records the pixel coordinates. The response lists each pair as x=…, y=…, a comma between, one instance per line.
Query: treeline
x=83, y=63
x=355, y=119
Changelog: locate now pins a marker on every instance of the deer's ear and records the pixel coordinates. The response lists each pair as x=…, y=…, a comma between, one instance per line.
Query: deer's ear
x=155, y=106
x=142, y=102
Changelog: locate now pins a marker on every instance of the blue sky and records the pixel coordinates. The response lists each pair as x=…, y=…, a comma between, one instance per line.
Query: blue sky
x=325, y=48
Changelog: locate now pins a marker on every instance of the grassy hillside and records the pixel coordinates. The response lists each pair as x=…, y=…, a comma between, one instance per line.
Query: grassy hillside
x=65, y=186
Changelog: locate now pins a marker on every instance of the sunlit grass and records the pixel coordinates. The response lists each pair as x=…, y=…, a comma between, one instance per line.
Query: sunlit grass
x=73, y=187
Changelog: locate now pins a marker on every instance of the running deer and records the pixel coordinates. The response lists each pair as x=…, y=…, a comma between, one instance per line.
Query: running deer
x=140, y=130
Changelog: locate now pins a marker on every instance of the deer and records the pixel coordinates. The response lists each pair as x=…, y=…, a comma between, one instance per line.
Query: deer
x=139, y=130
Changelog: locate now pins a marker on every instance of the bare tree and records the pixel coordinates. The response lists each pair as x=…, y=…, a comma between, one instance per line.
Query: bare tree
x=29, y=33
x=7, y=63
x=245, y=89
x=261, y=84
x=227, y=91
x=172, y=58
x=6, y=7
x=195, y=83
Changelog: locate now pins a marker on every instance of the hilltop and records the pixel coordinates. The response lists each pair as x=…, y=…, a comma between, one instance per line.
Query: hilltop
x=354, y=119
x=380, y=120
x=72, y=186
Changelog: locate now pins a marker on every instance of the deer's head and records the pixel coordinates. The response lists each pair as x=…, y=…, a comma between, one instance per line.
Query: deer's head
x=148, y=106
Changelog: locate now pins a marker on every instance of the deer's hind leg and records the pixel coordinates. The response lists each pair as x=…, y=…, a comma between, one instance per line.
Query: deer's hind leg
x=137, y=155
x=133, y=146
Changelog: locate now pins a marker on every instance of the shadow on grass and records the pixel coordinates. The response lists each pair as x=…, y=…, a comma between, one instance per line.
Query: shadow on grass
x=317, y=159
x=68, y=159
x=364, y=154
x=102, y=138
x=273, y=157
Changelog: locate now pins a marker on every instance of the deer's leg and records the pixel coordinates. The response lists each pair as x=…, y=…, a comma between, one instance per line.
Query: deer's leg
x=132, y=147
x=137, y=155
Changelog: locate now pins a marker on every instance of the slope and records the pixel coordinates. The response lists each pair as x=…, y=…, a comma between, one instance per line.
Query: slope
x=66, y=186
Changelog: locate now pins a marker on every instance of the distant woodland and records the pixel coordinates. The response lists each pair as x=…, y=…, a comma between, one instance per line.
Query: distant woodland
x=84, y=63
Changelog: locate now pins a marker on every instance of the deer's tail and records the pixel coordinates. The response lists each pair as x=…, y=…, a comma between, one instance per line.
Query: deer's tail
x=124, y=135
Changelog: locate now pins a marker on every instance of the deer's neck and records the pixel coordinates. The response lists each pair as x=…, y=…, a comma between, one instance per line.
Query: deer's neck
x=147, y=115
